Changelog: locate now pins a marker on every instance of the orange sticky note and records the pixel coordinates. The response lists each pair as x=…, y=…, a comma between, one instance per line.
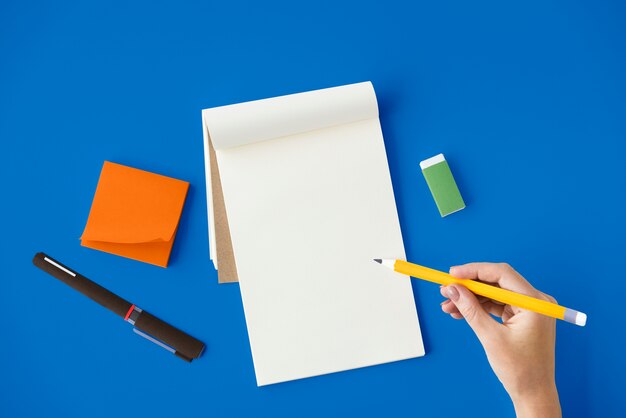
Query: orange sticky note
x=135, y=214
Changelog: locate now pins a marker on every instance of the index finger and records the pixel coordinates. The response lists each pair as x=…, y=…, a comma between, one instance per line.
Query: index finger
x=498, y=273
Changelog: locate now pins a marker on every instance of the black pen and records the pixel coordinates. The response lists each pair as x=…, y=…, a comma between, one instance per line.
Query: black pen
x=145, y=324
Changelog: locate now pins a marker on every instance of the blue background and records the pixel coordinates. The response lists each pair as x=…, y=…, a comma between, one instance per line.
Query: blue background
x=526, y=99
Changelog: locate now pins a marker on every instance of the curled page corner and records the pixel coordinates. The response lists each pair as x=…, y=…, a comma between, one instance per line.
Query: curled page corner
x=249, y=122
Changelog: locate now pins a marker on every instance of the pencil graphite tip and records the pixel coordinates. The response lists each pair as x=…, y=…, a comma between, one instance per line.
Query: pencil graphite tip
x=390, y=264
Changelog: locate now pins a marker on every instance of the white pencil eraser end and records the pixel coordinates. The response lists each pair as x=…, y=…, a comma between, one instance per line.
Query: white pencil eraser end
x=581, y=319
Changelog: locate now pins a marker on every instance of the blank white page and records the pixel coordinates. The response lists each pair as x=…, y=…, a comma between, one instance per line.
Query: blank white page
x=307, y=214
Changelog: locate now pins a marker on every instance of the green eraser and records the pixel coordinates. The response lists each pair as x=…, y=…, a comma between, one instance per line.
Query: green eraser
x=442, y=185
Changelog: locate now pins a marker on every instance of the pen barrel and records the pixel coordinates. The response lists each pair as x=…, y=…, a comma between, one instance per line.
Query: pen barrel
x=186, y=346
x=83, y=285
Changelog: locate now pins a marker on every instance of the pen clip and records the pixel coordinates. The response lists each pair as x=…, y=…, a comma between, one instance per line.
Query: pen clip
x=59, y=266
x=154, y=340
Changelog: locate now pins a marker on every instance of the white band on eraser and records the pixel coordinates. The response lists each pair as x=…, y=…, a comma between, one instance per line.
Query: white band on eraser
x=432, y=161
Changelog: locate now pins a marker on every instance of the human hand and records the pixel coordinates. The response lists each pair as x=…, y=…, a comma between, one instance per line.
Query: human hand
x=520, y=349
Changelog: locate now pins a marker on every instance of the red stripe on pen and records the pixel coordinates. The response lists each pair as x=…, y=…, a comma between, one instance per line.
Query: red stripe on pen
x=132, y=307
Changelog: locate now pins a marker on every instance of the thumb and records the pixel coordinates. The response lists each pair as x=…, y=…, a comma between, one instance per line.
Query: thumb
x=469, y=306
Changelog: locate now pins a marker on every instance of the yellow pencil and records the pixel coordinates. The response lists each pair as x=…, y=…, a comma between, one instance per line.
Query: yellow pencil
x=501, y=295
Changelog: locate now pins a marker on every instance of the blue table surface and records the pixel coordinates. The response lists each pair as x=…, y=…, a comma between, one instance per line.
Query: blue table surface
x=526, y=99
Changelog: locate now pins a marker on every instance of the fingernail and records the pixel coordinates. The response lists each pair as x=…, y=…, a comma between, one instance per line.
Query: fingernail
x=452, y=293
x=452, y=270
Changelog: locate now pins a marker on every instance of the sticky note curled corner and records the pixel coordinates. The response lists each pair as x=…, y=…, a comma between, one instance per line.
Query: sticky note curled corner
x=135, y=214
x=442, y=185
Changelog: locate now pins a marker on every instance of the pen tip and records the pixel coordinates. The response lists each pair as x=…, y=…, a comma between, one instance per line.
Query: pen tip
x=378, y=260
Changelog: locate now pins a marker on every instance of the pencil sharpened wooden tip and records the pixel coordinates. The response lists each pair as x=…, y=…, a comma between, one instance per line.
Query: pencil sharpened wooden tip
x=378, y=260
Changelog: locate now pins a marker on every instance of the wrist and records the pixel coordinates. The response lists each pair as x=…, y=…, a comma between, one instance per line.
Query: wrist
x=540, y=401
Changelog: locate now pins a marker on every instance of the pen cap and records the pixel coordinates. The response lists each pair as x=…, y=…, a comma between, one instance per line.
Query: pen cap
x=82, y=284
x=185, y=345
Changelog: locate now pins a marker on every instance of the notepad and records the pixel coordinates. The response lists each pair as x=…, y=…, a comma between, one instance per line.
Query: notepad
x=300, y=201
x=135, y=214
